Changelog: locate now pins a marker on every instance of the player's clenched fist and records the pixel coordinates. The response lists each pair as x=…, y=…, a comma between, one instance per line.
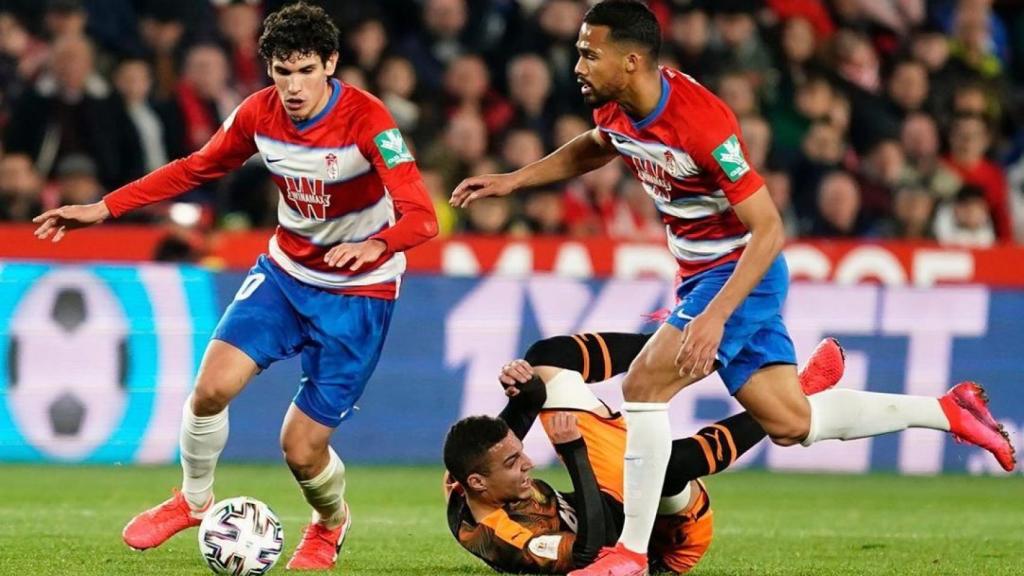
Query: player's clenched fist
x=354, y=256
x=478, y=187
x=513, y=374
x=58, y=221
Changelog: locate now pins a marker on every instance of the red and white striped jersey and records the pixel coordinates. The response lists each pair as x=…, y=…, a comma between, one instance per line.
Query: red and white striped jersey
x=342, y=176
x=691, y=159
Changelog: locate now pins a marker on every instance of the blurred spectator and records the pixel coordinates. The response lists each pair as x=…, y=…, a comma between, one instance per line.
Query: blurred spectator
x=529, y=86
x=396, y=85
x=353, y=76
x=690, y=34
x=736, y=90
x=521, y=147
x=969, y=141
x=823, y=152
x=70, y=110
x=813, y=101
x=162, y=30
x=133, y=82
x=21, y=57
x=181, y=246
x=919, y=138
x=637, y=218
x=778, y=184
x=367, y=43
x=447, y=217
x=799, y=56
x=880, y=174
x=544, y=211
x=757, y=134
x=858, y=67
x=464, y=144
x=591, y=201
x=567, y=127
x=972, y=41
x=203, y=97
x=966, y=221
x=76, y=180
x=21, y=189
x=65, y=18
x=838, y=208
x=467, y=87
x=908, y=87
x=552, y=34
x=239, y=24
x=740, y=48
x=438, y=41
x=912, y=211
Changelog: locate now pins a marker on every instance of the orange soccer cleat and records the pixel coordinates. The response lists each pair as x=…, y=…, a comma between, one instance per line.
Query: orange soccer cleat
x=154, y=526
x=615, y=561
x=320, y=545
x=824, y=368
x=971, y=422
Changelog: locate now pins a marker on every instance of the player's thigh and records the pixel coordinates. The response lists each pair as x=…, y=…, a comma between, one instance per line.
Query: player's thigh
x=653, y=376
x=347, y=335
x=774, y=398
x=304, y=442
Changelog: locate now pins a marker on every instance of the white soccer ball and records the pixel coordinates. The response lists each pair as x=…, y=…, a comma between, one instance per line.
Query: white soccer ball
x=241, y=537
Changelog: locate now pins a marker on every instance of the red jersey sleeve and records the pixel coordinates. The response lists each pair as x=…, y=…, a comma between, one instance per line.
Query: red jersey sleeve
x=717, y=147
x=382, y=143
x=229, y=147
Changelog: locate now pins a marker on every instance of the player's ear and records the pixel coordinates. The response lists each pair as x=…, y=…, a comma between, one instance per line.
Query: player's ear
x=331, y=64
x=476, y=482
x=633, y=62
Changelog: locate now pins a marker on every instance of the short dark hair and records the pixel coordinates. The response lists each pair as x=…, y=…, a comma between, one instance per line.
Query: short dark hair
x=298, y=30
x=629, y=21
x=467, y=444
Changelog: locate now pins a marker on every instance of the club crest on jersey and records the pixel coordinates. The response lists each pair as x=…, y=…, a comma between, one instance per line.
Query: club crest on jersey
x=332, y=166
x=670, y=164
x=307, y=196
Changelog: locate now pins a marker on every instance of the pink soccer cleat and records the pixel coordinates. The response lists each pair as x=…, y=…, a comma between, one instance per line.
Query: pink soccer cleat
x=615, y=561
x=824, y=368
x=154, y=526
x=320, y=545
x=970, y=421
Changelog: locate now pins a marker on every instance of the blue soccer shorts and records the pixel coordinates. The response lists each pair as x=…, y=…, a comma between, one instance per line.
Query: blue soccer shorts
x=754, y=335
x=340, y=337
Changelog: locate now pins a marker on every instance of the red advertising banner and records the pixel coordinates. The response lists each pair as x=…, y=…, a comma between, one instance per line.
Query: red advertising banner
x=844, y=262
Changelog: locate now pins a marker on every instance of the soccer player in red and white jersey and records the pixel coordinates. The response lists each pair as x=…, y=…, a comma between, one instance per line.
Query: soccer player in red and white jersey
x=685, y=146
x=351, y=202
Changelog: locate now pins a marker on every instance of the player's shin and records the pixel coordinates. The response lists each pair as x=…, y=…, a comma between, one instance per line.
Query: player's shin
x=648, y=446
x=202, y=440
x=325, y=492
x=711, y=450
x=852, y=414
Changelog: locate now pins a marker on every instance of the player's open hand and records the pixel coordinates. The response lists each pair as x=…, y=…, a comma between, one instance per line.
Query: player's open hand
x=699, y=346
x=513, y=374
x=354, y=256
x=478, y=187
x=55, y=223
x=562, y=428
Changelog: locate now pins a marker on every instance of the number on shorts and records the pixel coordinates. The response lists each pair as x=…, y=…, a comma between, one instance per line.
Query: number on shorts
x=249, y=285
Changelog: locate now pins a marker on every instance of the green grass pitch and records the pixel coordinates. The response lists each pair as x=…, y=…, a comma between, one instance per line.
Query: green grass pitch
x=67, y=521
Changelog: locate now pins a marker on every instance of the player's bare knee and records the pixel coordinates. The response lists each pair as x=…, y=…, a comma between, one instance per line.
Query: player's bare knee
x=789, y=433
x=208, y=400
x=304, y=459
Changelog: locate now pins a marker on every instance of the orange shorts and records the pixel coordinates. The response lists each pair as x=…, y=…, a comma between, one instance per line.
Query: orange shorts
x=678, y=541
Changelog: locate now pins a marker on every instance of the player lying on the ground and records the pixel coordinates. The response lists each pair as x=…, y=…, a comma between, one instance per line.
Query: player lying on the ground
x=518, y=524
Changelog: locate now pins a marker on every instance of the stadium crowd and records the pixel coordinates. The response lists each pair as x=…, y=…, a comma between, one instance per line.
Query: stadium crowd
x=868, y=118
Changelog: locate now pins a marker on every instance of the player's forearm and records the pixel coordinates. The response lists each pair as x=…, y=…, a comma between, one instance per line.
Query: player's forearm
x=765, y=244
x=591, y=533
x=417, y=221
x=523, y=408
x=578, y=156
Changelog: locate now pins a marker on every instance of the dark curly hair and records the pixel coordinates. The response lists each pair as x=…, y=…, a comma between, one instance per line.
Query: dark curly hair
x=298, y=30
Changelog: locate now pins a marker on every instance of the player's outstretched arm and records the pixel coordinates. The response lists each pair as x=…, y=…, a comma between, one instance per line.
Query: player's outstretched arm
x=584, y=153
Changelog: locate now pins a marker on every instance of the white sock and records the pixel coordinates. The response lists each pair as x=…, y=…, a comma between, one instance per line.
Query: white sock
x=325, y=492
x=202, y=440
x=648, y=446
x=851, y=414
x=675, y=504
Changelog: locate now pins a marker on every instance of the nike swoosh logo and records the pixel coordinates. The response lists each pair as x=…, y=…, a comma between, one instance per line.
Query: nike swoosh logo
x=272, y=160
x=684, y=316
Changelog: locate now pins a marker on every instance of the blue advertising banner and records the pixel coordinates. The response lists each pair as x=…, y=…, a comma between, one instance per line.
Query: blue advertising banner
x=95, y=362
